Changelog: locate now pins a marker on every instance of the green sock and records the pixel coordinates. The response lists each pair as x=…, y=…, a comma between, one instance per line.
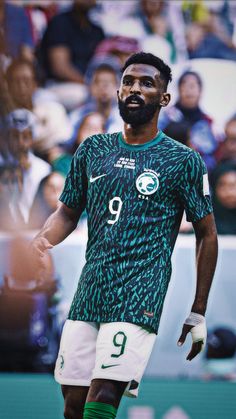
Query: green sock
x=97, y=410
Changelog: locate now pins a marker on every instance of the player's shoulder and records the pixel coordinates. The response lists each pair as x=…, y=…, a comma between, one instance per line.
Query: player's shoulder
x=98, y=142
x=177, y=146
x=187, y=155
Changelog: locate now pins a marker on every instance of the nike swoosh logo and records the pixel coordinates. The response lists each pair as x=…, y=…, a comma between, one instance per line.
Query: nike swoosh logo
x=109, y=366
x=93, y=179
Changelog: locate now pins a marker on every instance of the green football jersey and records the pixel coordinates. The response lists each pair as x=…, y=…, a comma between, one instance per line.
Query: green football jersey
x=134, y=196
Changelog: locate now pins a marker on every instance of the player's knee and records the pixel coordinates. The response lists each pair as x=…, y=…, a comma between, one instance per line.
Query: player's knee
x=106, y=395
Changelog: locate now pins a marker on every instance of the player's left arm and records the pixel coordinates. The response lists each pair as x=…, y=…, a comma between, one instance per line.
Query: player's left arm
x=206, y=258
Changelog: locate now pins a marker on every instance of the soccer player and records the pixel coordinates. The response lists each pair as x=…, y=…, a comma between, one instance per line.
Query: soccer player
x=134, y=186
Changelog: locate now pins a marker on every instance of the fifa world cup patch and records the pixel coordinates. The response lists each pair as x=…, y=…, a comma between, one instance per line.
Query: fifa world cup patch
x=147, y=183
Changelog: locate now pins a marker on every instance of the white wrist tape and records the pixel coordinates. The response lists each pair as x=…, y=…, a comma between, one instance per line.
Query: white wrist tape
x=199, y=330
x=194, y=319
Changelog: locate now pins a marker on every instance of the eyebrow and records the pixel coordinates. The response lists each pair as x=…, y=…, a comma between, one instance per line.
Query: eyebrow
x=145, y=77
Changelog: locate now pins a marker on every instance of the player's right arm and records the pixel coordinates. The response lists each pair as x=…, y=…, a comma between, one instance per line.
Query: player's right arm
x=57, y=227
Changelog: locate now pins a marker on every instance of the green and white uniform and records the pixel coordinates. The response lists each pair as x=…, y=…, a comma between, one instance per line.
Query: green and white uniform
x=134, y=196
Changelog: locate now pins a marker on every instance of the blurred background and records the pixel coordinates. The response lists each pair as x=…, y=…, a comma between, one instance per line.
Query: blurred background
x=60, y=67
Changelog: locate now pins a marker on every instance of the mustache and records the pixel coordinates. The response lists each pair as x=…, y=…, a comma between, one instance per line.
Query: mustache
x=136, y=98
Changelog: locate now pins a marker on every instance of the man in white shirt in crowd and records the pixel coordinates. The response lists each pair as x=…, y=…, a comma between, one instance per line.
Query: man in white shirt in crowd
x=20, y=126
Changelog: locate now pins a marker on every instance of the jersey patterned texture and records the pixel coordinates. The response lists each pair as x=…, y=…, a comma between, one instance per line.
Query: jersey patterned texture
x=134, y=196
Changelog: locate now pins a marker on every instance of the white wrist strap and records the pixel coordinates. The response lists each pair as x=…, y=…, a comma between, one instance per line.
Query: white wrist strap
x=199, y=330
x=194, y=319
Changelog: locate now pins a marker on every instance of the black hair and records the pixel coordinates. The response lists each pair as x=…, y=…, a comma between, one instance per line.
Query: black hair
x=150, y=59
x=179, y=131
x=190, y=73
x=105, y=67
x=221, y=169
x=221, y=343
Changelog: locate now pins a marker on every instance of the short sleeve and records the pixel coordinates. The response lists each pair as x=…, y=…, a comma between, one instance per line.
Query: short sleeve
x=75, y=189
x=194, y=188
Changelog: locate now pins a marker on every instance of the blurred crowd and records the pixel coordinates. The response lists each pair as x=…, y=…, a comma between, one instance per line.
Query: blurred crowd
x=60, y=67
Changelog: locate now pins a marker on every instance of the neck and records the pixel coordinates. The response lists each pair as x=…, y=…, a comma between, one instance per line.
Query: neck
x=141, y=134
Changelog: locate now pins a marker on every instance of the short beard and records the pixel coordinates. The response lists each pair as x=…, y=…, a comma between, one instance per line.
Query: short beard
x=137, y=117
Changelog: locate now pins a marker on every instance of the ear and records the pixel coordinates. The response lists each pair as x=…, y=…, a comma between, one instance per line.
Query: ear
x=165, y=99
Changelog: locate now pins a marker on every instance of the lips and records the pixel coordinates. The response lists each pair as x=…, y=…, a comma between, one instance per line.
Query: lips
x=134, y=101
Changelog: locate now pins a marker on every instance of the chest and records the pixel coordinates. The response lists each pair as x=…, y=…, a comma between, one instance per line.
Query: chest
x=133, y=176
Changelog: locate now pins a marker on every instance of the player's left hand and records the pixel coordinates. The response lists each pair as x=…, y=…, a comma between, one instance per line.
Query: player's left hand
x=196, y=325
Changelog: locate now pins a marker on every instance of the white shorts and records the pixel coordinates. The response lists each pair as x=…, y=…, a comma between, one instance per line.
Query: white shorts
x=115, y=351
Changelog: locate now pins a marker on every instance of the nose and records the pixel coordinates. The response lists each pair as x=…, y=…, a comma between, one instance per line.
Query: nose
x=135, y=87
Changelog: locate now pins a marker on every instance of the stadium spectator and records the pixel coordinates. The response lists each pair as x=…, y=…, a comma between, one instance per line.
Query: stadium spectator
x=223, y=182
x=180, y=131
x=115, y=50
x=66, y=48
x=204, y=44
x=111, y=12
x=59, y=159
x=15, y=37
x=208, y=32
x=5, y=156
x=6, y=103
x=150, y=25
x=29, y=321
x=102, y=99
x=40, y=13
x=227, y=149
x=219, y=359
x=52, y=124
x=46, y=199
x=92, y=123
x=20, y=124
x=187, y=110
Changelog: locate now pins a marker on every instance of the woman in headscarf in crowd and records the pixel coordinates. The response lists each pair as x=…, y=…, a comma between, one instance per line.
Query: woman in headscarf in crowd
x=46, y=199
x=223, y=182
x=60, y=157
x=187, y=110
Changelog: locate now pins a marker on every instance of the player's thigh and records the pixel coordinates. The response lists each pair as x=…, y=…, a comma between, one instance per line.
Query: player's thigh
x=122, y=352
x=77, y=352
